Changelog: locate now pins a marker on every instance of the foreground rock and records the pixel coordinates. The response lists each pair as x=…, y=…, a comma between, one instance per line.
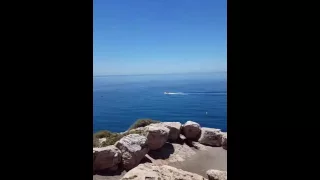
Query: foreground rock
x=191, y=130
x=210, y=136
x=216, y=174
x=133, y=147
x=150, y=171
x=106, y=158
x=174, y=128
x=101, y=141
x=181, y=139
x=224, y=141
x=157, y=136
x=170, y=153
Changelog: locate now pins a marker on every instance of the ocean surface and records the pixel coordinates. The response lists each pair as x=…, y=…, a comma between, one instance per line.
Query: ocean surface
x=118, y=101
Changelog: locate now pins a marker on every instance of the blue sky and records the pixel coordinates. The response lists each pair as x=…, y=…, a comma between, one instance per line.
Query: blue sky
x=159, y=36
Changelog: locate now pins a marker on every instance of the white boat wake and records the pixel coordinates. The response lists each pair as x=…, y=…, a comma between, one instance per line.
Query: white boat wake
x=178, y=93
x=203, y=93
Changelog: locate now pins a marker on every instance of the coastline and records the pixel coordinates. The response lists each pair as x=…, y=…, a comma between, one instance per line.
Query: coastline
x=187, y=148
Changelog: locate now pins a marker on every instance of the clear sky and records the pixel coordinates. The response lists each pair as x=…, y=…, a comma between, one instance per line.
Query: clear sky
x=159, y=36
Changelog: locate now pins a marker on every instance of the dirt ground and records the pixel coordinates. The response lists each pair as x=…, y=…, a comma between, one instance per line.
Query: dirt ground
x=182, y=157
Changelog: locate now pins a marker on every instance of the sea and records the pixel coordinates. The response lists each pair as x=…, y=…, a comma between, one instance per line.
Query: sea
x=119, y=100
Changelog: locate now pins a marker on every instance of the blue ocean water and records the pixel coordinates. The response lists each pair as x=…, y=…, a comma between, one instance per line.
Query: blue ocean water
x=118, y=101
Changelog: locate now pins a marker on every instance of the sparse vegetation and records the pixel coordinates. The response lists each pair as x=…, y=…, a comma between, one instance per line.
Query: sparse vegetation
x=143, y=123
x=102, y=134
x=112, y=138
x=95, y=142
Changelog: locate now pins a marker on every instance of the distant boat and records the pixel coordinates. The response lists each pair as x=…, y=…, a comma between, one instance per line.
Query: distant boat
x=166, y=92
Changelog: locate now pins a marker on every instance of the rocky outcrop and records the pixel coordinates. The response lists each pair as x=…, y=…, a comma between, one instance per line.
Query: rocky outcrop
x=150, y=171
x=170, y=144
x=106, y=158
x=181, y=139
x=224, y=140
x=101, y=140
x=157, y=136
x=216, y=174
x=191, y=130
x=174, y=128
x=210, y=136
x=133, y=147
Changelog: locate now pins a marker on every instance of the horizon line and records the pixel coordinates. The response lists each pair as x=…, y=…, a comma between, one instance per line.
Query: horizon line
x=159, y=74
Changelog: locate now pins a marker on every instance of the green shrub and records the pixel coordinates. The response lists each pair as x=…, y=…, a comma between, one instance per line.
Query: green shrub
x=95, y=142
x=142, y=123
x=112, y=138
x=102, y=134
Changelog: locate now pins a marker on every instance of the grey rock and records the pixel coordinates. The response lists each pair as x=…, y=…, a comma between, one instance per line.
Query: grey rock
x=210, y=136
x=191, y=130
x=106, y=157
x=133, y=147
x=157, y=136
x=217, y=174
x=174, y=128
x=224, y=140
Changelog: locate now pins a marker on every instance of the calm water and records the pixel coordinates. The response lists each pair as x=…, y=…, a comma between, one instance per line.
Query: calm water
x=118, y=101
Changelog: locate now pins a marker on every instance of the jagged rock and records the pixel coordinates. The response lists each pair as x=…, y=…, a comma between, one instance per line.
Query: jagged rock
x=224, y=140
x=150, y=171
x=106, y=157
x=217, y=174
x=132, y=130
x=210, y=136
x=138, y=129
x=191, y=130
x=101, y=140
x=133, y=147
x=174, y=128
x=157, y=135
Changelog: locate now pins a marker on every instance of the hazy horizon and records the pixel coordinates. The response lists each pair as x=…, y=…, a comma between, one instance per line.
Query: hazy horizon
x=174, y=73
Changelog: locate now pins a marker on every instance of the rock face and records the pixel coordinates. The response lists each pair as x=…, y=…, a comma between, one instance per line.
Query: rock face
x=191, y=130
x=224, y=140
x=174, y=128
x=101, y=140
x=106, y=158
x=157, y=135
x=216, y=174
x=210, y=136
x=133, y=147
x=181, y=139
x=150, y=171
